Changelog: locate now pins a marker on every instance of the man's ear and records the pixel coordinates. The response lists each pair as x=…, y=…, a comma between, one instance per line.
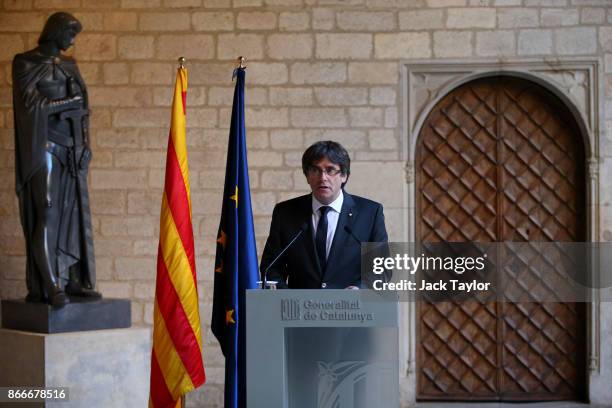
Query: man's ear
x=345, y=180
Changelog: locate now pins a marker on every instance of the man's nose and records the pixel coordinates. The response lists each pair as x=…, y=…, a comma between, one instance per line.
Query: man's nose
x=323, y=175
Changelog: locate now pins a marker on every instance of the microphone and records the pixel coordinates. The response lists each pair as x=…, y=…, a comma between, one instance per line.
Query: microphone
x=264, y=280
x=350, y=232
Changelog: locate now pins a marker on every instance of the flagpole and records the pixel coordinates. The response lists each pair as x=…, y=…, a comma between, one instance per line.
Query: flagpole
x=236, y=266
x=181, y=62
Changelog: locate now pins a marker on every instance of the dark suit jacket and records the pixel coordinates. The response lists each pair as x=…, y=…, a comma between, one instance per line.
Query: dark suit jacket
x=299, y=267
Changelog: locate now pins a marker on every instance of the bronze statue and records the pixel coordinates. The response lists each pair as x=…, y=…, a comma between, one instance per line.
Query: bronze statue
x=52, y=156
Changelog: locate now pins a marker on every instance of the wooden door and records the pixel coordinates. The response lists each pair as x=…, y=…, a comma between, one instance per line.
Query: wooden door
x=500, y=159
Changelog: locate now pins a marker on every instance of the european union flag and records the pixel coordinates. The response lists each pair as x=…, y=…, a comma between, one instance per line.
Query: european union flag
x=236, y=263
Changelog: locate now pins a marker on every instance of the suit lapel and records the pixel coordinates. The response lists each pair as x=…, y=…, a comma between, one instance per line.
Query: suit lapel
x=347, y=216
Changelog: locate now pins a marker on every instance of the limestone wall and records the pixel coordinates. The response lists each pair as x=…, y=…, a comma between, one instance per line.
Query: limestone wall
x=317, y=69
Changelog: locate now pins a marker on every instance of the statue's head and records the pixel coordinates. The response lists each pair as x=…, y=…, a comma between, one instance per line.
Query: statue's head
x=60, y=28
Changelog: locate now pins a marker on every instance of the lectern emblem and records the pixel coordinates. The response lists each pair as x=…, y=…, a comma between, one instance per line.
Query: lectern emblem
x=353, y=384
x=290, y=309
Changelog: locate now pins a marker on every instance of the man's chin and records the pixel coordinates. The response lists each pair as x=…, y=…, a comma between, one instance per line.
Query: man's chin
x=325, y=198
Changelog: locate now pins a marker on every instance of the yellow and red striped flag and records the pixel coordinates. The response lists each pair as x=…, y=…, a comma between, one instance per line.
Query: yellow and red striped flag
x=176, y=359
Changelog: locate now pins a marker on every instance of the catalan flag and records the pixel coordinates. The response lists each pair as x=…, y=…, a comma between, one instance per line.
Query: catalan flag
x=176, y=359
x=236, y=263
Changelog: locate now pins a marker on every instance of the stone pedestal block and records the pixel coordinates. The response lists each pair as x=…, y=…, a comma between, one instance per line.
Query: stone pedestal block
x=79, y=314
x=105, y=368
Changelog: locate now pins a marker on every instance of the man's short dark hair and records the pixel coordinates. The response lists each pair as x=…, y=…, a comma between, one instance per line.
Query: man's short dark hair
x=333, y=151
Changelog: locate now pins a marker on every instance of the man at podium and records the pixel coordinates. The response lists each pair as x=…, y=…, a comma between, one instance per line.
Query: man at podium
x=315, y=239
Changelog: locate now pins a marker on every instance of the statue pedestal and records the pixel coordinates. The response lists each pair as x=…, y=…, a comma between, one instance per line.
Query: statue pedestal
x=78, y=315
x=106, y=368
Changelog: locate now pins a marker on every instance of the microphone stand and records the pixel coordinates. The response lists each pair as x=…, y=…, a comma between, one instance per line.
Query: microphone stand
x=264, y=279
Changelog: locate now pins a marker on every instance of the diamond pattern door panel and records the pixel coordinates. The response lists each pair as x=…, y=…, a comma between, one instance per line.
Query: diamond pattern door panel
x=500, y=159
x=542, y=199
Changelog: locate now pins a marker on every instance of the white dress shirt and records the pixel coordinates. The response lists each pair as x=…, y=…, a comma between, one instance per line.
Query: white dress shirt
x=332, y=218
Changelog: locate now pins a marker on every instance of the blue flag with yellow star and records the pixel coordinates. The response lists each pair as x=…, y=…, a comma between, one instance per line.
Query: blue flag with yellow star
x=236, y=262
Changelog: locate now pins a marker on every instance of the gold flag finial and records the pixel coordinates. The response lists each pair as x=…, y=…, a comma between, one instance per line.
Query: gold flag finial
x=181, y=62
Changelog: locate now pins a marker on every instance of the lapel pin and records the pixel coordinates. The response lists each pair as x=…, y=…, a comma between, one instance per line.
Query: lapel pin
x=350, y=214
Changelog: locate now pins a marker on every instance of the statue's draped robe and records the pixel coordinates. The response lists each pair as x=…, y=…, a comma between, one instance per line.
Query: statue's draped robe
x=33, y=148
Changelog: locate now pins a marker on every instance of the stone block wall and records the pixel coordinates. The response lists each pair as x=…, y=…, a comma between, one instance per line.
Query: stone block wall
x=317, y=69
